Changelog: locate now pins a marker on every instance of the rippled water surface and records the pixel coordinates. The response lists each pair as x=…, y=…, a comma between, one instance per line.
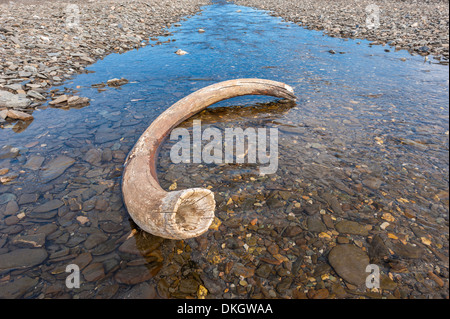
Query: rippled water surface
x=363, y=160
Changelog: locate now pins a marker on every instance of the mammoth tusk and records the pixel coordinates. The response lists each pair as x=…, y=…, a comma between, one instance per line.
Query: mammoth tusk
x=185, y=213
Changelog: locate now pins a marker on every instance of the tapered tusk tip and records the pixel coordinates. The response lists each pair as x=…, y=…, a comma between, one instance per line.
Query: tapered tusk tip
x=289, y=91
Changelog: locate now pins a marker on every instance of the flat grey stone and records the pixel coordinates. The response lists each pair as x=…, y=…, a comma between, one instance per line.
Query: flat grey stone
x=7, y=197
x=11, y=100
x=34, y=162
x=48, y=206
x=56, y=168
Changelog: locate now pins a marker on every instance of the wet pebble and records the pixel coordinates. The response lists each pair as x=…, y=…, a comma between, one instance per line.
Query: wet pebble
x=56, y=167
x=93, y=272
x=30, y=241
x=94, y=240
x=350, y=263
x=315, y=225
x=48, y=206
x=351, y=227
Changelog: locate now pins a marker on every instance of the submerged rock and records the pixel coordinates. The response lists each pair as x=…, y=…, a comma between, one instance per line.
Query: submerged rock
x=351, y=227
x=315, y=225
x=34, y=162
x=142, y=291
x=56, y=167
x=8, y=151
x=22, y=258
x=94, y=272
x=407, y=251
x=17, y=287
x=31, y=241
x=136, y=275
x=48, y=206
x=141, y=245
x=350, y=263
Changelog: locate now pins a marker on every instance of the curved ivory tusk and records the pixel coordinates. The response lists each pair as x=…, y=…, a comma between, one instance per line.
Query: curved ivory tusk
x=186, y=213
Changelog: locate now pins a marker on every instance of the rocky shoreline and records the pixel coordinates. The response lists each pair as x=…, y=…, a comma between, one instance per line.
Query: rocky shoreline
x=421, y=27
x=44, y=43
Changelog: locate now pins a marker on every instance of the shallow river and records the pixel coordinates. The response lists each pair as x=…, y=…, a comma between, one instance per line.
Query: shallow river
x=363, y=161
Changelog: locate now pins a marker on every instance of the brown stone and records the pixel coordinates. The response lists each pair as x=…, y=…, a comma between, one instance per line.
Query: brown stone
x=18, y=115
x=350, y=263
x=82, y=260
x=328, y=221
x=436, y=279
x=11, y=208
x=22, y=258
x=17, y=287
x=297, y=294
x=318, y=294
x=11, y=220
x=241, y=270
x=59, y=100
x=101, y=204
x=273, y=249
x=48, y=206
x=343, y=240
x=94, y=272
x=292, y=231
x=351, y=227
x=141, y=245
